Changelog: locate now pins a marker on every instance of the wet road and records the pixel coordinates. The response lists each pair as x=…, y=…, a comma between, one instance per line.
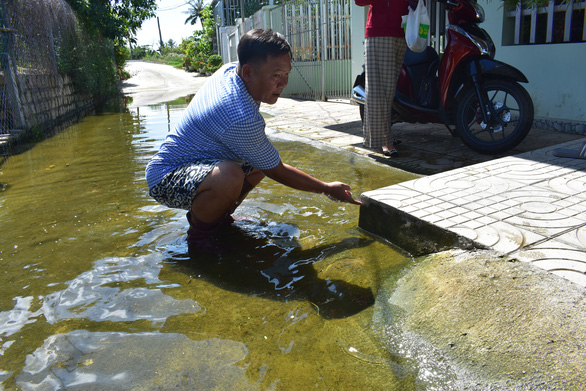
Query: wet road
x=152, y=83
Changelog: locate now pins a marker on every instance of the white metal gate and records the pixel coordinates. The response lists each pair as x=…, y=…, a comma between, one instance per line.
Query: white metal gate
x=319, y=34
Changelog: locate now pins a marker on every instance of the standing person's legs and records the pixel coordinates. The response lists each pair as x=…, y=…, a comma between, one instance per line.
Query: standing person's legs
x=398, y=47
x=384, y=59
x=377, y=92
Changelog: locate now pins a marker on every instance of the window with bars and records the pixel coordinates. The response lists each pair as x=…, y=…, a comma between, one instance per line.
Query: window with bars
x=559, y=21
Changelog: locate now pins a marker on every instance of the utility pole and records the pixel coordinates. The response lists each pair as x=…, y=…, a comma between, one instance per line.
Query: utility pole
x=160, y=37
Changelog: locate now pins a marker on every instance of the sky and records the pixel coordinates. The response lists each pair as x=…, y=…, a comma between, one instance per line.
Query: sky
x=171, y=19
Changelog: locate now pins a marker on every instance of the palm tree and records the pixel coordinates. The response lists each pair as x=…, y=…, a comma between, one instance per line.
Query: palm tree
x=195, y=10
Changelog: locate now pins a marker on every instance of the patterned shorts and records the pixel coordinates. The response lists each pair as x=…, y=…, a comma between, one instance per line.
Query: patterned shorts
x=178, y=188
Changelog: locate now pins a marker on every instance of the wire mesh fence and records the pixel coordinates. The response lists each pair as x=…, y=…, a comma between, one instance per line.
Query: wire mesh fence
x=39, y=43
x=6, y=50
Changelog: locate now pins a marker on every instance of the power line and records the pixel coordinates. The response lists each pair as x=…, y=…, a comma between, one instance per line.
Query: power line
x=173, y=7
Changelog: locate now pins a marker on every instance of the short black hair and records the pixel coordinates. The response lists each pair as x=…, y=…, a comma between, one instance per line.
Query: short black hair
x=256, y=45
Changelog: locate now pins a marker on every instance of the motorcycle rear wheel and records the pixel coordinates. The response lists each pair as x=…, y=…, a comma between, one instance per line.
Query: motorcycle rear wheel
x=511, y=117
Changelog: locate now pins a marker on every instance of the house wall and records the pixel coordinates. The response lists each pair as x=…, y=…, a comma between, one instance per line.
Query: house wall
x=357, y=40
x=555, y=72
x=320, y=35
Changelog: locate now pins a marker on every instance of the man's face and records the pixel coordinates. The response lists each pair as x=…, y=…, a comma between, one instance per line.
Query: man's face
x=266, y=81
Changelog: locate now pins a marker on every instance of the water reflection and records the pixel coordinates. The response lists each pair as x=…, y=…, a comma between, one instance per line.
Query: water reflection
x=97, y=289
x=266, y=260
x=117, y=290
x=82, y=360
x=12, y=321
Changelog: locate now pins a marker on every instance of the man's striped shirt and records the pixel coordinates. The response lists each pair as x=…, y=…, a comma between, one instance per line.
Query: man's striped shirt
x=222, y=122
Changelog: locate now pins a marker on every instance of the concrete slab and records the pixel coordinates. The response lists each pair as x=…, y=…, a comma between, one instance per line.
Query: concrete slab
x=426, y=148
x=527, y=203
x=529, y=206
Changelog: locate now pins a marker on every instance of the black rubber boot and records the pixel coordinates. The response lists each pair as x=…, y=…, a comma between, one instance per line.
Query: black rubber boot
x=200, y=237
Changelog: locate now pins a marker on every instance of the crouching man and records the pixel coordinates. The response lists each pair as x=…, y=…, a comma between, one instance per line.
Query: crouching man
x=219, y=150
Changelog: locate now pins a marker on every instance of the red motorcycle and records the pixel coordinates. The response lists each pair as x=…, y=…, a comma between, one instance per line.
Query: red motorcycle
x=466, y=88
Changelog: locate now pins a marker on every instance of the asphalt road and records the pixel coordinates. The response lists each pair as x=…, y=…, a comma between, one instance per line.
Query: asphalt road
x=152, y=83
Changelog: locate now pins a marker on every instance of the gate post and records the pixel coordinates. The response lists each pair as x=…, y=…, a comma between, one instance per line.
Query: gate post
x=357, y=38
x=324, y=40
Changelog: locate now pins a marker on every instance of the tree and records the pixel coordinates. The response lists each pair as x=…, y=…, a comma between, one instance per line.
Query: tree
x=117, y=20
x=200, y=47
x=196, y=10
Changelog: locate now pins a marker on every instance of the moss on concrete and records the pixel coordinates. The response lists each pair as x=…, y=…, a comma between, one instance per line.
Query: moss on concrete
x=497, y=322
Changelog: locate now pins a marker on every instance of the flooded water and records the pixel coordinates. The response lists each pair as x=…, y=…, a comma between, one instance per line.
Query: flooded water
x=97, y=290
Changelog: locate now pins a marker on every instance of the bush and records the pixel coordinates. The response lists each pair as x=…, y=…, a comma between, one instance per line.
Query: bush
x=140, y=52
x=186, y=63
x=90, y=60
x=121, y=55
x=199, y=48
x=176, y=60
x=214, y=62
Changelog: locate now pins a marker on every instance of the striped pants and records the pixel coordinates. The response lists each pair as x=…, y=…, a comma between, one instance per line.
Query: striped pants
x=384, y=58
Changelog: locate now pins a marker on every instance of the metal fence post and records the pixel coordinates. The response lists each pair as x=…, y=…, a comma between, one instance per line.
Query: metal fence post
x=323, y=32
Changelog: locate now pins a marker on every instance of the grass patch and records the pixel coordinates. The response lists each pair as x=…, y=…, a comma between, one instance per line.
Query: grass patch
x=173, y=59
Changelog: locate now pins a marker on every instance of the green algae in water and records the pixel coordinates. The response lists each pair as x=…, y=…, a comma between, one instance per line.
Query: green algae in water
x=97, y=290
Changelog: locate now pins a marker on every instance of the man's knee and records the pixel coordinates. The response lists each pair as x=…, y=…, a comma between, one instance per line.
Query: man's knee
x=226, y=179
x=230, y=171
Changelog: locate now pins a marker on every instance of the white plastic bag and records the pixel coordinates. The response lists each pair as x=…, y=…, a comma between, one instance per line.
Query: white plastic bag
x=416, y=25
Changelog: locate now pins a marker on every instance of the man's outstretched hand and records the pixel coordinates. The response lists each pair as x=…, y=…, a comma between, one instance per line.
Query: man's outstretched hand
x=339, y=191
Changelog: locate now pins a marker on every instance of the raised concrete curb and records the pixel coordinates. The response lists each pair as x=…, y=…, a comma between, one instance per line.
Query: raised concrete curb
x=531, y=206
x=527, y=203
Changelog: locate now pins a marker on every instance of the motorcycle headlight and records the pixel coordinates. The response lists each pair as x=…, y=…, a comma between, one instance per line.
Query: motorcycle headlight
x=479, y=12
x=485, y=45
x=481, y=39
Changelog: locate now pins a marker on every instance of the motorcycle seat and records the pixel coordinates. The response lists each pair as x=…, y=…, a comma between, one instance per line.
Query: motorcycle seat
x=425, y=57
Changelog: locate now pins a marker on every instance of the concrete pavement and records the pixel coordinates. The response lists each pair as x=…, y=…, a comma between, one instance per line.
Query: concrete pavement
x=426, y=148
x=526, y=204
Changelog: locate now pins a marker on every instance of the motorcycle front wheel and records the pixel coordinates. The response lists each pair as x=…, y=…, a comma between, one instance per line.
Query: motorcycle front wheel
x=510, y=117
